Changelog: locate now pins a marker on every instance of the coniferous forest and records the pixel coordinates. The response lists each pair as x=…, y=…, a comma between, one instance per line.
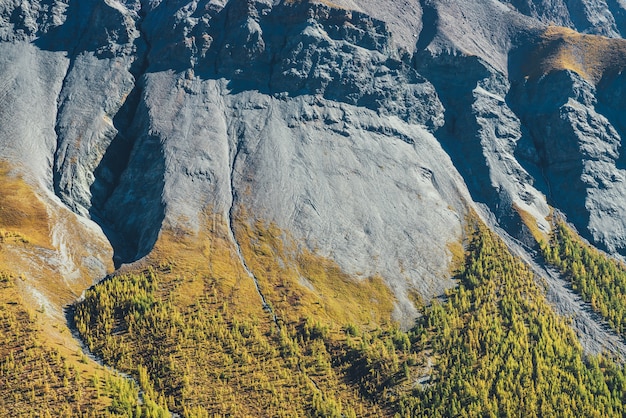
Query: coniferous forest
x=196, y=341
x=491, y=347
x=599, y=280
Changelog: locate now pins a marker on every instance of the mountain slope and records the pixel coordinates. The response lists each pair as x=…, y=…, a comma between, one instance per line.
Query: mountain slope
x=308, y=153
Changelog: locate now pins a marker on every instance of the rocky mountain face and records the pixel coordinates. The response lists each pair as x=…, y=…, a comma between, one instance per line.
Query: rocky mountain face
x=366, y=131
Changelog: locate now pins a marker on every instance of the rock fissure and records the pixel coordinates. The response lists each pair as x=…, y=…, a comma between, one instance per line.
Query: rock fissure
x=231, y=232
x=430, y=19
x=59, y=156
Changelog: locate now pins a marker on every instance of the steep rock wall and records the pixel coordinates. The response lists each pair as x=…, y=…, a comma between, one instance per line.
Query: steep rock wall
x=368, y=136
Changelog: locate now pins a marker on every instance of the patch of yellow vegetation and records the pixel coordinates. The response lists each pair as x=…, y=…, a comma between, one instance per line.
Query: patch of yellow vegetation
x=531, y=223
x=25, y=241
x=299, y=283
x=590, y=56
x=295, y=281
x=458, y=255
x=22, y=215
x=44, y=245
x=208, y=260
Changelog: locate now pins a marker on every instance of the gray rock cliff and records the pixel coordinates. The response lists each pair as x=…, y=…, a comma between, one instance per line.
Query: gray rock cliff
x=366, y=132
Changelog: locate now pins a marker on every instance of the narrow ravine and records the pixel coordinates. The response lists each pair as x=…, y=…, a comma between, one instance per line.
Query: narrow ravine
x=266, y=306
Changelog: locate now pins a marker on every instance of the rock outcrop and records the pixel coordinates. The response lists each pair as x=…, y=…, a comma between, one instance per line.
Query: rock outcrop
x=366, y=132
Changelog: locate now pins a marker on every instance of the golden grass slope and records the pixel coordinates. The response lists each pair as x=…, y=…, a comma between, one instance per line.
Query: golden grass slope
x=299, y=282
x=22, y=215
x=294, y=280
x=43, y=372
x=590, y=56
x=209, y=254
x=42, y=379
x=46, y=245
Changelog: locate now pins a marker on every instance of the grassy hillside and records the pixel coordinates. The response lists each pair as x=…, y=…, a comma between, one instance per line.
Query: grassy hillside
x=21, y=212
x=492, y=346
x=591, y=56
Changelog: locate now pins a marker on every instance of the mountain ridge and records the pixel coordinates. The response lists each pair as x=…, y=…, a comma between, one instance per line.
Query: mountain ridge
x=368, y=137
x=127, y=147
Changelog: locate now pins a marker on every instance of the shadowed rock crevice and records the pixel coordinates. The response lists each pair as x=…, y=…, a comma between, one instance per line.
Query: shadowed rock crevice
x=95, y=124
x=107, y=177
x=611, y=95
x=459, y=134
x=133, y=214
x=430, y=20
x=558, y=111
x=132, y=243
x=619, y=14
